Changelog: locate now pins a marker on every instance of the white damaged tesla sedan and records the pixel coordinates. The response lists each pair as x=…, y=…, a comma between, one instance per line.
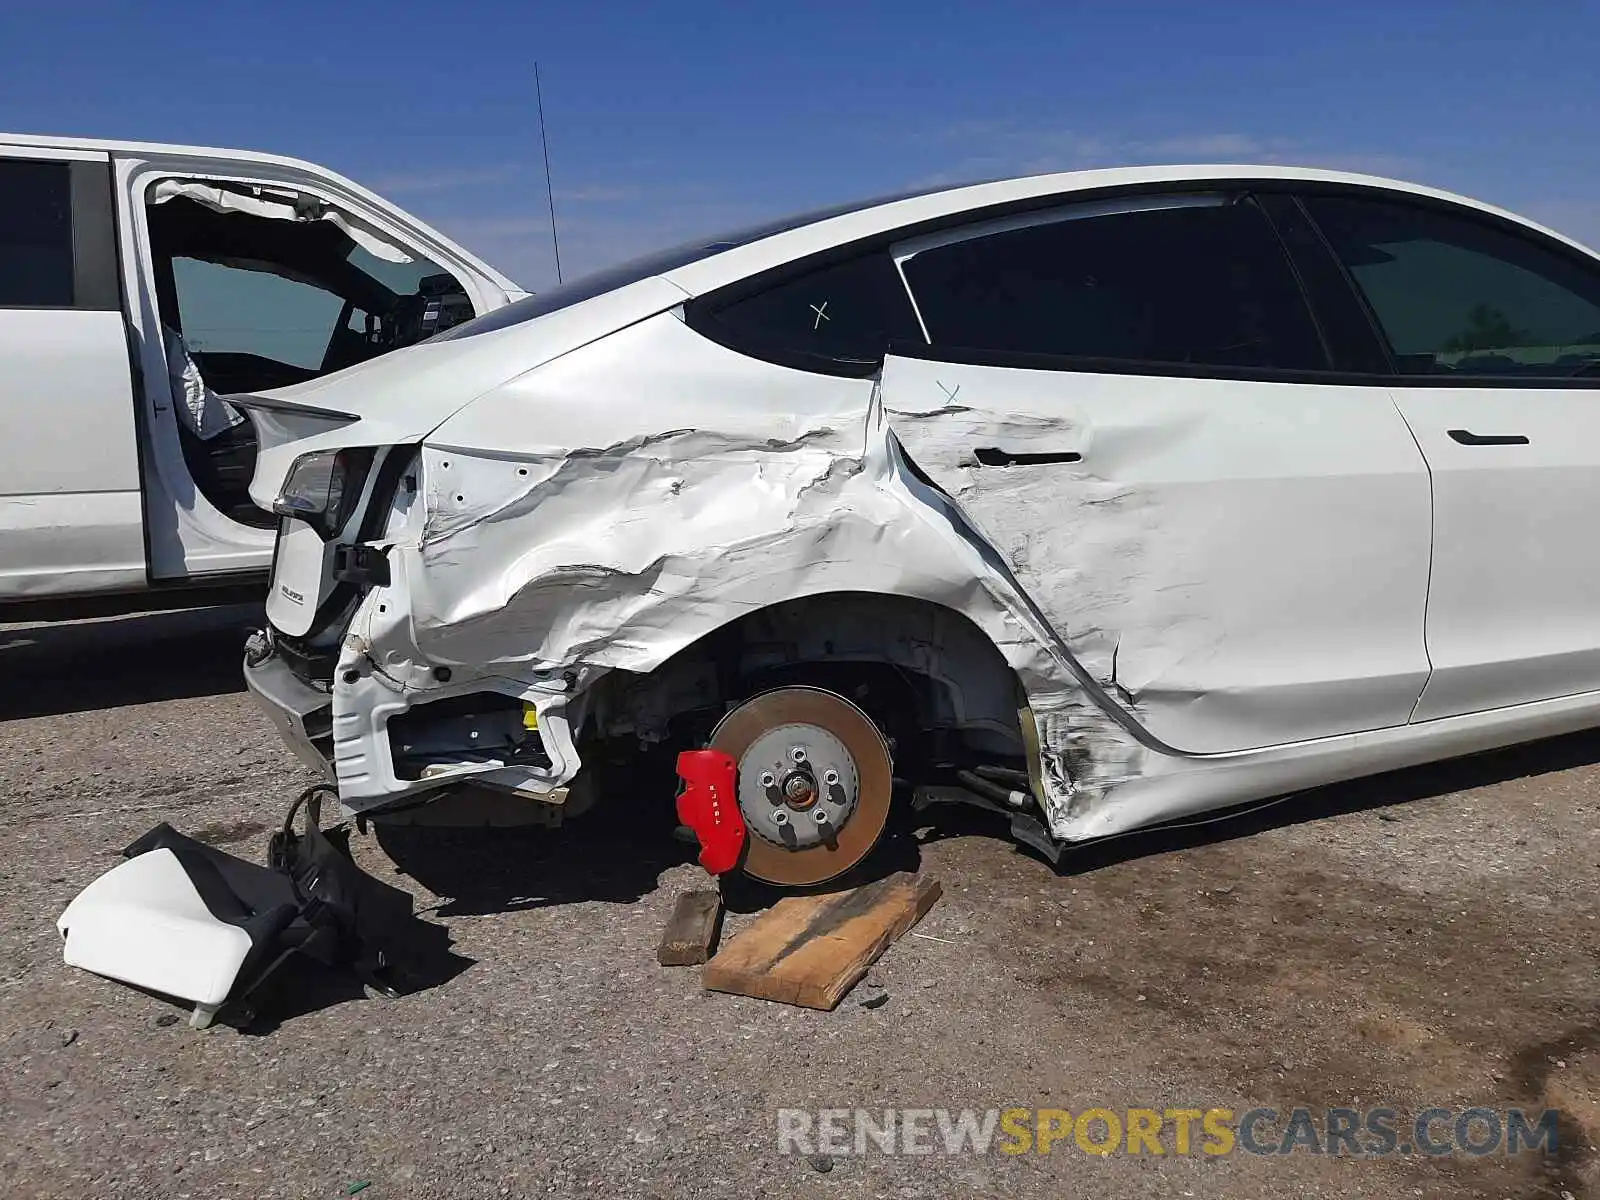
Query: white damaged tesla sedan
x=1099, y=498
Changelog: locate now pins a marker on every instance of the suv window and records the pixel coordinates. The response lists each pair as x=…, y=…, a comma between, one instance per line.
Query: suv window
x=846, y=311
x=235, y=310
x=264, y=302
x=1203, y=282
x=1456, y=296
x=35, y=234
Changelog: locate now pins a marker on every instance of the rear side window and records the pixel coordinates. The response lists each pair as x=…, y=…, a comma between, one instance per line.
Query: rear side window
x=1202, y=282
x=1455, y=296
x=844, y=313
x=35, y=234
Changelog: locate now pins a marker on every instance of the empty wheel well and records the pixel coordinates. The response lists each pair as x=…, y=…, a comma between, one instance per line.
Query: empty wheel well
x=931, y=679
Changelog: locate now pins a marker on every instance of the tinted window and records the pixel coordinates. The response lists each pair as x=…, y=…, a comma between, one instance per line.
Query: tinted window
x=35, y=234
x=1203, y=284
x=847, y=311
x=1456, y=296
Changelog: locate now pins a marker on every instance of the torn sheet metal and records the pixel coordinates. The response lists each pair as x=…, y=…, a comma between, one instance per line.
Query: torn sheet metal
x=280, y=204
x=1240, y=564
x=599, y=535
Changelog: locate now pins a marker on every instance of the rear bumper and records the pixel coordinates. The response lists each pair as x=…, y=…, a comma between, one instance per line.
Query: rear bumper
x=302, y=713
x=346, y=737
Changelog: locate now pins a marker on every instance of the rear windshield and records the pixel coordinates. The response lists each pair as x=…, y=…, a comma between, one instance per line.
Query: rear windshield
x=609, y=280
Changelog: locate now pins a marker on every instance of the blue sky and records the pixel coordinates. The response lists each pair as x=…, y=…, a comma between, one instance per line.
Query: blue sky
x=672, y=120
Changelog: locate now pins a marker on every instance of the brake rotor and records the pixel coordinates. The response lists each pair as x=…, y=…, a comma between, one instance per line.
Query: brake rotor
x=815, y=781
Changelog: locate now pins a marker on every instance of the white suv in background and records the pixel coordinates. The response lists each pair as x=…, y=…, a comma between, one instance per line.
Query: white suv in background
x=141, y=283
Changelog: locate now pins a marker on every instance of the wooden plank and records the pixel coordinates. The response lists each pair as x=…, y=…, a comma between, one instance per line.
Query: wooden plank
x=691, y=932
x=811, y=950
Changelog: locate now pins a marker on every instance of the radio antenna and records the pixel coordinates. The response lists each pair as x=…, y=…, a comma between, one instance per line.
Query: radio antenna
x=549, y=188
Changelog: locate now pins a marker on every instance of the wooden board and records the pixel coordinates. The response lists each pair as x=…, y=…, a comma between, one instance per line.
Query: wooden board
x=691, y=932
x=811, y=950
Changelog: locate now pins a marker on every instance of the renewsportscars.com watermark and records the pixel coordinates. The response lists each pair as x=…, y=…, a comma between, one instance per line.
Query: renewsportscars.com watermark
x=1372, y=1132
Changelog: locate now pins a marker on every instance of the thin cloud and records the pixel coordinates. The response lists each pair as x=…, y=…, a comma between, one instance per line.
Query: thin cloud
x=1216, y=147
x=593, y=238
x=605, y=222
x=1006, y=148
x=501, y=226
x=598, y=193
x=1577, y=219
x=445, y=179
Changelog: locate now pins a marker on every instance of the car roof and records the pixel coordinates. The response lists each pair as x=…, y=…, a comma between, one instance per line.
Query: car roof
x=709, y=263
x=291, y=170
x=40, y=141
x=802, y=238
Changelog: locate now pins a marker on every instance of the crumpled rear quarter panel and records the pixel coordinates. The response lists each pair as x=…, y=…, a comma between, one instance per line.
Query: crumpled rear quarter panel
x=613, y=506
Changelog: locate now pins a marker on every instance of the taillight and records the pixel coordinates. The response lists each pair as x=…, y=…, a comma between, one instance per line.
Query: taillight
x=322, y=488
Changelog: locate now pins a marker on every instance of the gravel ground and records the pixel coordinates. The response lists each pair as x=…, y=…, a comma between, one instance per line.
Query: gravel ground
x=1345, y=950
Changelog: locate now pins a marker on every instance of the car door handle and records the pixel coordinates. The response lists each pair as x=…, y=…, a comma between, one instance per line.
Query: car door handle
x=1467, y=438
x=993, y=456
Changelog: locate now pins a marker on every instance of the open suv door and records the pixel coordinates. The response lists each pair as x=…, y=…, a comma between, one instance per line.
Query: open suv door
x=186, y=275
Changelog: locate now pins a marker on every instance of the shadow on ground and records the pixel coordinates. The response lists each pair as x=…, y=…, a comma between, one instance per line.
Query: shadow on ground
x=82, y=666
x=615, y=854
x=1372, y=793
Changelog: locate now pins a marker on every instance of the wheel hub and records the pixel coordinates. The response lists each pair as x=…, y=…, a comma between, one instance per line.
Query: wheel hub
x=782, y=792
x=799, y=790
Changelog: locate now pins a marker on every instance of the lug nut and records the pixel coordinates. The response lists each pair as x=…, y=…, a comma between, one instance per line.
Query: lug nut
x=830, y=777
x=798, y=754
x=768, y=779
x=820, y=816
x=780, y=817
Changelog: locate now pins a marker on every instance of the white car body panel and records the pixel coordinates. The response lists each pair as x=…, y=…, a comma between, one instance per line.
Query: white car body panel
x=643, y=486
x=402, y=397
x=122, y=531
x=1514, y=604
x=70, y=509
x=1235, y=559
x=71, y=512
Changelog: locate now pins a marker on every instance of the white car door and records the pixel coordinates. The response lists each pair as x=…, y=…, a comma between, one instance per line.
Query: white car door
x=1495, y=332
x=1123, y=398
x=253, y=322
x=70, y=511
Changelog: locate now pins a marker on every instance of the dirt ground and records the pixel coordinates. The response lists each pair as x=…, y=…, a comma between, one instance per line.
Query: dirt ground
x=1423, y=939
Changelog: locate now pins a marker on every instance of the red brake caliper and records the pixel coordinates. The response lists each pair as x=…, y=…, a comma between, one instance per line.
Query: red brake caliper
x=709, y=805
